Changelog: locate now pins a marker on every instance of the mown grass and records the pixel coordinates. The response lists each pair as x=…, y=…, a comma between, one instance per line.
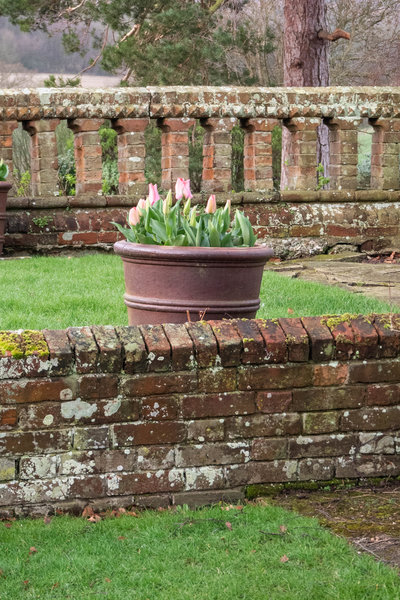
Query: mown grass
x=59, y=292
x=265, y=553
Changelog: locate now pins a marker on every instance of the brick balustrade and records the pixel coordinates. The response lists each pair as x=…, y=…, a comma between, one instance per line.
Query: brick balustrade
x=340, y=214
x=195, y=413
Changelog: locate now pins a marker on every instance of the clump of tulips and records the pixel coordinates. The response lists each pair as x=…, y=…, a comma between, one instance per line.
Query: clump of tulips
x=158, y=221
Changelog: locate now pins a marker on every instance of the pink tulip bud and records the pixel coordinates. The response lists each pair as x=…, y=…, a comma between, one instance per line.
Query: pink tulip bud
x=153, y=193
x=228, y=205
x=186, y=189
x=182, y=189
x=211, y=205
x=141, y=205
x=134, y=216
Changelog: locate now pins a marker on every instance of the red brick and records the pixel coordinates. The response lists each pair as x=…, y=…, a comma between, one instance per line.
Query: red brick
x=321, y=339
x=273, y=402
x=154, y=457
x=87, y=438
x=8, y=418
x=267, y=377
x=321, y=422
x=85, y=349
x=269, y=449
x=159, y=383
x=371, y=419
x=388, y=329
x=38, y=441
x=381, y=395
x=374, y=371
x=143, y=434
x=160, y=408
x=296, y=339
x=274, y=339
x=229, y=342
x=181, y=346
x=110, y=349
x=158, y=347
x=343, y=336
x=218, y=379
x=254, y=350
x=144, y=483
x=328, y=398
x=218, y=405
x=262, y=425
x=206, y=430
x=87, y=487
x=211, y=454
x=204, y=342
x=98, y=386
x=334, y=373
x=322, y=445
x=134, y=349
x=40, y=390
x=60, y=351
x=365, y=338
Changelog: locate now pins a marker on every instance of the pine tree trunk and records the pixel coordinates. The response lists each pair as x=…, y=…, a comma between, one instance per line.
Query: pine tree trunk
x=305, y=63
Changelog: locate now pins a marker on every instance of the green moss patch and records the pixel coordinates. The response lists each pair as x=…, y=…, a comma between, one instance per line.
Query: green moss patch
x=21, y=345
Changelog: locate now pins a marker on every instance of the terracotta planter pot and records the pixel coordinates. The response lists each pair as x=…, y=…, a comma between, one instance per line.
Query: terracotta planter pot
x=166, y=283
x=4, y=189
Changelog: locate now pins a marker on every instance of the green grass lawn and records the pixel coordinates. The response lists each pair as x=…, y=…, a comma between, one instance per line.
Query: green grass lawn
x=264, y=553
x=59, y=292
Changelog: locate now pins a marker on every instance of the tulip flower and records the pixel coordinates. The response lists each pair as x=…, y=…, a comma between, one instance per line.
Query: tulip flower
x=134, y=216
x=141, y=206
x=153, y=193
x=167, y=203
x=211, y=205
x=182, y=189
x=186, y=208
x=228, y=205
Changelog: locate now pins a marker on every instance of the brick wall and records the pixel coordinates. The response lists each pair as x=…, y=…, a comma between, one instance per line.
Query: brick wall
x=195, y=413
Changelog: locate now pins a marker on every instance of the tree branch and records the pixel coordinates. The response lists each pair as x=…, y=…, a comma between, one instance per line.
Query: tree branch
x=335, y=35
x=133, y=31
x=72, y=9
x=105, y=38
x=215, y=6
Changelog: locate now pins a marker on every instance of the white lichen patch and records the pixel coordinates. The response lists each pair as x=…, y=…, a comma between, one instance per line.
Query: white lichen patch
x=66, y=394
x=290, y=468
x=112, y=407
x=202, y=477
x=113, y=482
x=71, y=466
x=48, y=420
x=77, y=409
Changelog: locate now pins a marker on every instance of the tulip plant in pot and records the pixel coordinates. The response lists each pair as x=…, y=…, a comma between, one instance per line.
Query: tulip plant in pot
x=4, y=189
x=182, y=263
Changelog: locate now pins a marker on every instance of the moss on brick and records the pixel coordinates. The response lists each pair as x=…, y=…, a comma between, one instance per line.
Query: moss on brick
x=21, y=345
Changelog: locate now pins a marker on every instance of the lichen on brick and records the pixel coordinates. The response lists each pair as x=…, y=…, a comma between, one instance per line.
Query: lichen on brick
x=22, y=344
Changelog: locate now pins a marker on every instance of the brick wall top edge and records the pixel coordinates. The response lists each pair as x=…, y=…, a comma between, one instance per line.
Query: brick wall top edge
x=198, y=102
x=109, y=349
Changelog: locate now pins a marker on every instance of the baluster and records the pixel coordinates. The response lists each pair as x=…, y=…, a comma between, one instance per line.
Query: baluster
x=217, y=154
x=131, y=155
x=385, y=154
x=44, y=156
x=343, y=145
x=174, y=150
x=258, y=153
x=88, y=155
x=299, y=169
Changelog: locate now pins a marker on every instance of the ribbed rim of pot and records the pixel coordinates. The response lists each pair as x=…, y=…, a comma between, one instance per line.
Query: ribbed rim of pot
x=131, y=250
x=4, y=185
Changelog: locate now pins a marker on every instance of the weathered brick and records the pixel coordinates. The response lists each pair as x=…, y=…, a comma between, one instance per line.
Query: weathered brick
x=40, y=390
x=38, y=467
x=323, y=445
x=7, y=469
x=343, y=335
x=143, y=434
x=133, y=349
x=60, y=350
x=85, y=349
x=381, y=395
x=261, y=472
x=365, y=338
x=212, y=454
x=38, y=441
x=110, y=349
x=218, y=405
x=218, y=379
x=274, y=401
x=296, y=339
x=376, y=443
x=269, y=448
x=194, y=499
x=87, y=487
x=158, y=347
x=204, y=478
x=8, y=418
x=149, y=458
x=328, y=398
x=334, y=373
x=274, y=339
x=161, y=383
x=205, y=344
x=262, y=425
x=98, y=386
x=367, y=466
x=266, y=377
x=206, y=430
x=229, y=342
x=321, y=339
x=321, y=422
x=253, y=348
x=183, y=354
x=374, y=371
x=388, y=329
x=160, y=408
x=144, y=483
x=91, y=438
x=317, y=469
x=369, y=419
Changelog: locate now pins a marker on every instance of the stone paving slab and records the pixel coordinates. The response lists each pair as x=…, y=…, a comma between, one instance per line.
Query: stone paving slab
x=378, y=280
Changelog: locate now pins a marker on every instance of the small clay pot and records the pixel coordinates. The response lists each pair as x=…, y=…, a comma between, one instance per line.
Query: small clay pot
x=171, y=284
